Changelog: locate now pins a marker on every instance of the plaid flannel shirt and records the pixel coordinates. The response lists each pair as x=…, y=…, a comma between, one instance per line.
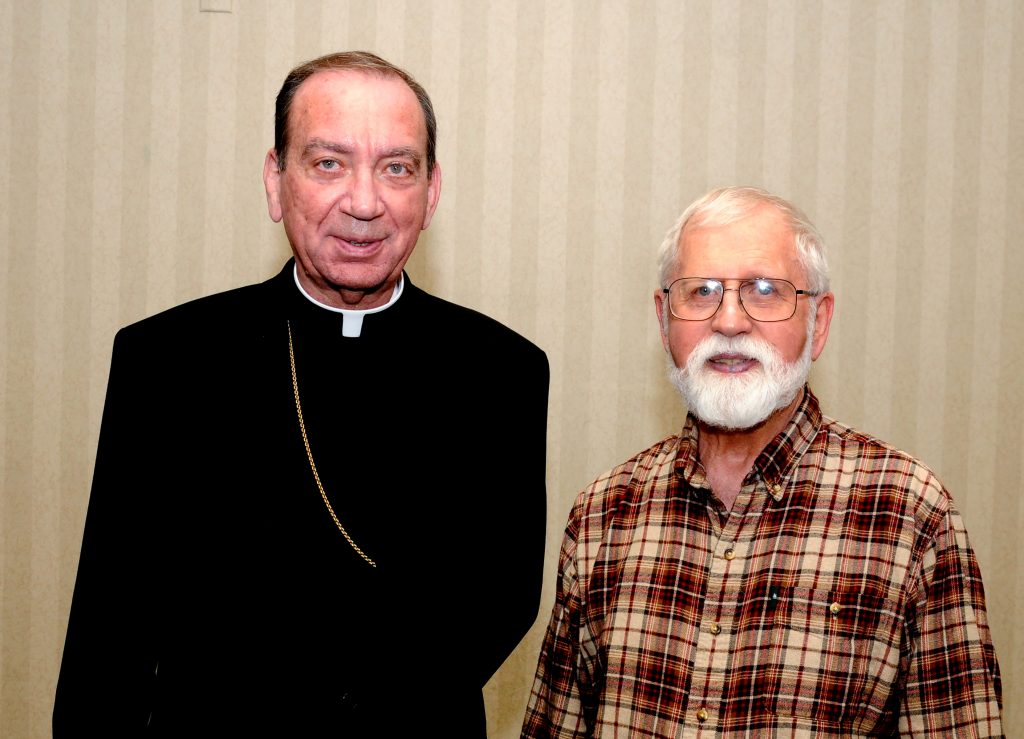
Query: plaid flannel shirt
x=838, y=598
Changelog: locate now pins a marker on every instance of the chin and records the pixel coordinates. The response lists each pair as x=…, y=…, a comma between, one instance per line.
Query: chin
x=734, y=403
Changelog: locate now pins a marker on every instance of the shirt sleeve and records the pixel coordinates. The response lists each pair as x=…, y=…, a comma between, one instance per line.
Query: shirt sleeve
x=953, y=686
x=556, y=705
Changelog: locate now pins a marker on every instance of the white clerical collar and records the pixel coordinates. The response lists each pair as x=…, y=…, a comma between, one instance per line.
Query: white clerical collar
x=352, y=323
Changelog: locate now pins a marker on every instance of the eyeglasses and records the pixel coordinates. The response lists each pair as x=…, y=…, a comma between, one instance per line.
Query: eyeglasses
x=764, y=299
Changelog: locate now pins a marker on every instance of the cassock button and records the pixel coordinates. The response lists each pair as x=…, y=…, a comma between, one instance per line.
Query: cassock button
x=702, y=715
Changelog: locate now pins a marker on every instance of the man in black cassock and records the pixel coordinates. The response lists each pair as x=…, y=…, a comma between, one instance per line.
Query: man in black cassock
x=318, y=503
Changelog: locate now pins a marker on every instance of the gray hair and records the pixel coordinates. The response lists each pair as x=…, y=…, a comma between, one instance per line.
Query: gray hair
x=727, y=205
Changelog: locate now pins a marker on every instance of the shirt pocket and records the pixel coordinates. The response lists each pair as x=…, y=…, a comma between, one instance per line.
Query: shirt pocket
x=832, y=656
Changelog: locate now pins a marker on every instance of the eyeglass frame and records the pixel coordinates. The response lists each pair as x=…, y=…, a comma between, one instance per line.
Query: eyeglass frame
x=797, y=293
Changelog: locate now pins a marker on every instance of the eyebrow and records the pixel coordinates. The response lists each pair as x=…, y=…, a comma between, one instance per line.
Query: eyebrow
x=403, y=151
x=315, y=144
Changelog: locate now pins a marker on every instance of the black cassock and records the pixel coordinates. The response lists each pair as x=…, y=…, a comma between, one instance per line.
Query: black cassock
x=216, y=595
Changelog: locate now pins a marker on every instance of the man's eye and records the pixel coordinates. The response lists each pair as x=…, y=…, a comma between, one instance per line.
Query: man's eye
x=705, y=290
x=397, y=168
x=764, y=288
x=328, y=164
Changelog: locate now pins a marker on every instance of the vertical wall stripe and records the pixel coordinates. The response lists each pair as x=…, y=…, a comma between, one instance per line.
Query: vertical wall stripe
x=220, y=30
x=362, y=25
x=751, y=93
x=466, y=197
x=77, y=425
x=494, y=245
x=135, y=161
x=833, y=39
x=436, y=264
x=7, y=105
x=527, y=238
x=909, y=241
x=253, y=133
x=938, y=200
x=1007, y=432
x=991, y=340
x=779, y=97
x=881, y=281
x=191, y=200
x=601, y=258
x=310, y=29
x=582, y=212
x=554, y=152
x=960, y=332
x=671, y=125
x=163, y=90
x=851, y=264
x=21, y=402
x=46, y=325
x=720, y=140
x=694, y=112
x=632, y=279
x=806, y=100
x=107, y=192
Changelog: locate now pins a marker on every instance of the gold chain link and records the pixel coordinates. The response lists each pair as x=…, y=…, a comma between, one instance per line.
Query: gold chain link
x=309, y=453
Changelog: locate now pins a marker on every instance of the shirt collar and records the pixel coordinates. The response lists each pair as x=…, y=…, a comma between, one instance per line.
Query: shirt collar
x=352, y=324
x=774, y=462
x=783, y=452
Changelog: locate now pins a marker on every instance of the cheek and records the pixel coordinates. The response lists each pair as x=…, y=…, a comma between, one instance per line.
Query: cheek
x=307, y=205
x=407, y=209
x=681, y=340
x=790, y=342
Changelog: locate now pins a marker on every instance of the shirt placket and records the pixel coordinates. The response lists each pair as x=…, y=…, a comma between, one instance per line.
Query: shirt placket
x=715, y=641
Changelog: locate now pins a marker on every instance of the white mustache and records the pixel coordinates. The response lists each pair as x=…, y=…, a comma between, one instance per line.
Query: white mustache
x=711, y=346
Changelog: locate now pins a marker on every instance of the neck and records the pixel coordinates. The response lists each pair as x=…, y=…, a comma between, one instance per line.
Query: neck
x=728, y=455
x=347, y=299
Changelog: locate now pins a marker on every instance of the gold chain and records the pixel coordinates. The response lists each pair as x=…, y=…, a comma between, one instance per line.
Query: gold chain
x=309, y=453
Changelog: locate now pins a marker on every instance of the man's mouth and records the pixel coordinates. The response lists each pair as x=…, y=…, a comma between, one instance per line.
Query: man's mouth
x=361, y=243
x=731, y=363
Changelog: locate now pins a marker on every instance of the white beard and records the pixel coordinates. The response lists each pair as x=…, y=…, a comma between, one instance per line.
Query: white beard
x=746, y=399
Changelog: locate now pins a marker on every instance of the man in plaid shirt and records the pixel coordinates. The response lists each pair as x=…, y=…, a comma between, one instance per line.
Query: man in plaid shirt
x=769, y=571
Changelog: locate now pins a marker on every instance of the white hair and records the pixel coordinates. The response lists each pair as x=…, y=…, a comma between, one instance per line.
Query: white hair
x=727, y=205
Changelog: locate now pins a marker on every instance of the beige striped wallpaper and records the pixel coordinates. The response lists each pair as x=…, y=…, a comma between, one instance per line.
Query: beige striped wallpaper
x=132, y=136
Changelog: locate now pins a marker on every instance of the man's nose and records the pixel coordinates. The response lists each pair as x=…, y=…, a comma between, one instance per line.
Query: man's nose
x=731, y=319
x=363, y=196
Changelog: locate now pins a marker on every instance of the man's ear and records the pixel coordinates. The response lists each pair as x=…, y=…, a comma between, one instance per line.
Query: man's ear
x=433, y=195
x=661, y=308
x=823, y=319
x=272, y=184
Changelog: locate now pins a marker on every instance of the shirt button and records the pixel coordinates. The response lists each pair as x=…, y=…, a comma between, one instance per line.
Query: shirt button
x=715, y=629
x=730, y=554
x=702, y=715
x=834, y=609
